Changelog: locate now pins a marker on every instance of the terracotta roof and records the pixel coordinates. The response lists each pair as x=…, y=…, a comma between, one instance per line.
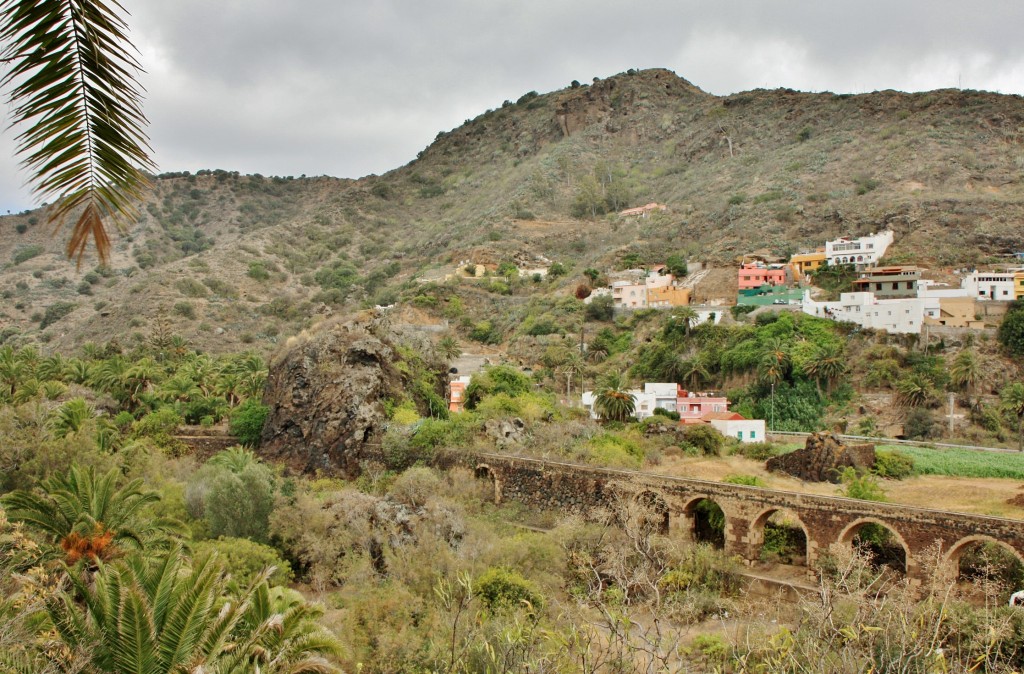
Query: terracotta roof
x=723, y=416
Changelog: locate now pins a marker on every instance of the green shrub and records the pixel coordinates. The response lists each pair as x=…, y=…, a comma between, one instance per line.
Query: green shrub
x=756, y=451
x=234, y=500
x=864, y=487
x=190, y=287
x=893, y=465
x=668, y=414
x=503, y=589
x=705, y=438
x=25, y=253
x=748, y=480
x=55, y=312
x=245, y=559
x=247, y=422
x=614, y=450
x=185, y=310
x=258, y=270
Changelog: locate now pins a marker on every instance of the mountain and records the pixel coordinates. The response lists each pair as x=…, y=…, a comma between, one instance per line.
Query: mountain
x=232, y=262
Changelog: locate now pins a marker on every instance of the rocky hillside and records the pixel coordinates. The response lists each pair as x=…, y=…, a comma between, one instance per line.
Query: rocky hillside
x=231, y=262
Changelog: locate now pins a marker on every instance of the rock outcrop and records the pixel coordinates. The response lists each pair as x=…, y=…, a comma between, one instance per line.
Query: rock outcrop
x=823, y=459
x=325, y=391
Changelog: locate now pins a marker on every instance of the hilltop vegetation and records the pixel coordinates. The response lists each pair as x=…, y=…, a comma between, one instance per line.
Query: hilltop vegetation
x=255, y=256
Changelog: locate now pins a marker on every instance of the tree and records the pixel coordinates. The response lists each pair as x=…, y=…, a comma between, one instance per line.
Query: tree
x=676, y=265
x=159, y=616
x=71, y=81
x=826, y=363
x=448, y=348
x=966, y=371
x=612, y=400
x=1012, y=400
x=1011, y=330
x=89, y=517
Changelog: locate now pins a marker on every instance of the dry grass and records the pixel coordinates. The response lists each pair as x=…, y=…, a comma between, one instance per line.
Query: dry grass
x=981, y=496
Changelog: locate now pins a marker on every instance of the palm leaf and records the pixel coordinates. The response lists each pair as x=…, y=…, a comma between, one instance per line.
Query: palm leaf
x=72, y=80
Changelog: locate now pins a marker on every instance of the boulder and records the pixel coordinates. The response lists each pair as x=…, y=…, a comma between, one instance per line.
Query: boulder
x=506, y=432
x=823, y=459
x=325, y=391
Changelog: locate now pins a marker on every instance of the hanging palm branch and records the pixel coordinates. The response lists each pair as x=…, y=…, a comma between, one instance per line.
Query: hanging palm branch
x=72, y=82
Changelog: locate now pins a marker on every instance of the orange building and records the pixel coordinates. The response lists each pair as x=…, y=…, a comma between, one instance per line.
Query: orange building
x=667, y=296
x=801, y=263
x=757, y=274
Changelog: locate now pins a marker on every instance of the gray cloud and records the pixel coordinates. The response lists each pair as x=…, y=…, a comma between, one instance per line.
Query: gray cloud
x=317, y=87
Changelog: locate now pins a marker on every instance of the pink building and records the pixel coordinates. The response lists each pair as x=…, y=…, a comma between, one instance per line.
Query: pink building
x=692, y=407
x=457, y=394
x=757, y=274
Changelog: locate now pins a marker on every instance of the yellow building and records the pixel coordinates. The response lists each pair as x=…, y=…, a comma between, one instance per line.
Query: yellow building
x=805, y=262
x=1018, y=285
x=667, y=296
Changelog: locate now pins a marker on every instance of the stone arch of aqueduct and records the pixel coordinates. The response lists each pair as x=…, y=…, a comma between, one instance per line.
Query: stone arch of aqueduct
x=825, y=520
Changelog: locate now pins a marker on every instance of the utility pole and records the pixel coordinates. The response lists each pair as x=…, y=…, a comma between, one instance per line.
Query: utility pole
x=772, y=425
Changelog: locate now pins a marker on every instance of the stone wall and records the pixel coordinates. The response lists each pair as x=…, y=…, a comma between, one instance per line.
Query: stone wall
x=826, y=520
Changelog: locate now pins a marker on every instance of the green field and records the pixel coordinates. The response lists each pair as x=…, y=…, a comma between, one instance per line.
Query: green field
x=955, y=462
x=962, y=462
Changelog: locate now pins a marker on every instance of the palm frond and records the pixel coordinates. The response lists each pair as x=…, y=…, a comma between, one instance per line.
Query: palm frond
x=73, y=82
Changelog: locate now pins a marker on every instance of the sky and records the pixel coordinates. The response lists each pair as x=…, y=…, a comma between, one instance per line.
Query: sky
x=347, y=89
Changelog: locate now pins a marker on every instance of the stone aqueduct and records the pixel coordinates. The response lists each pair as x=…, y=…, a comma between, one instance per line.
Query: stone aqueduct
x=825, y=520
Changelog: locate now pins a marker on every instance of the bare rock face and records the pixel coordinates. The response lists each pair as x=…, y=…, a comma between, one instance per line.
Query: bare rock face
x=823, y=459
x=325, y=391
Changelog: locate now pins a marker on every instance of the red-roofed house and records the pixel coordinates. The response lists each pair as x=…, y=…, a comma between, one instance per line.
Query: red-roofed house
x=734, y=425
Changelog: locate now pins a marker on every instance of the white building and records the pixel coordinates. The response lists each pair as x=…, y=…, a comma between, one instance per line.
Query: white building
x=989, y=285
x=732, y=425
x=864, y=251
x=904, y=315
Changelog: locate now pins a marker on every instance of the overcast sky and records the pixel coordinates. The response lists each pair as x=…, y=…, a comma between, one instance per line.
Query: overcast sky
x=343, y=88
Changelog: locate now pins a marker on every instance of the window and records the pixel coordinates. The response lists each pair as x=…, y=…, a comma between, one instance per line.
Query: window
x=753, y=435
x=739, y=435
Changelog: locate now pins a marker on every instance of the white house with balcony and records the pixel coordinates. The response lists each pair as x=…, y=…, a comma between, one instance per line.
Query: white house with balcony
x=864, y=251
x=899, y=316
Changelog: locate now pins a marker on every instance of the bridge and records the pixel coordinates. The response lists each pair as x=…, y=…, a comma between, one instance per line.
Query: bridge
x=825, y=520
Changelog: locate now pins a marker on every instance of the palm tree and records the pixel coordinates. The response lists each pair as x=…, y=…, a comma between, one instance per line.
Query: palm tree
x=827, y=363
x=235, y=459
x=87, y=516
x=966, y=371
x=612, y=400
x=572, y=367
x=70, y=79
x=161, y=617
x=1012, y=399
x=71, y=417
x=448, y=348
x=295, y=641
x=914, y=391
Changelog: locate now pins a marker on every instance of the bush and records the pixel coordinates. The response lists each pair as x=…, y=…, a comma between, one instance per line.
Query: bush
x=920, y=425
x=26, y=253
x=864, y=487
x=705, y=438
x=415, y=486
x=893, y=465
x=668, y=414
x=601, y=308
x=247, y=422
x=756, y=451
x=748, y=480
x=245, y=559
x=185, y=310
x=55, y=312
x=504, y=589
x=614, y=450
x=236, y=504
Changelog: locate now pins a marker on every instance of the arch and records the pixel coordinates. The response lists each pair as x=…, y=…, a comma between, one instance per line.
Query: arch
x=756, y=534
x=482, y=471
x=659, y=510
x=708, y=521
x=956, y=552
x=895, y=554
